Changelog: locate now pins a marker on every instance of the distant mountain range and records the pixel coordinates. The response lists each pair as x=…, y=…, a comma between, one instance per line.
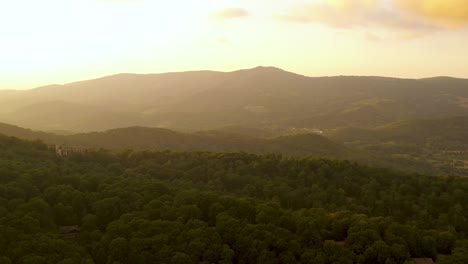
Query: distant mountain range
x=409, y=124
x=263, y=97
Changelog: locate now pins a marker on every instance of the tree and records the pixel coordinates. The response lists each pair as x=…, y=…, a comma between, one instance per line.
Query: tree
x=118, y=250
x=181, y=258
x=5, y=260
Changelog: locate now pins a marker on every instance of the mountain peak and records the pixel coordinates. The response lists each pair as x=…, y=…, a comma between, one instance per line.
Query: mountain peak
x=267, y=68
x=265, y=71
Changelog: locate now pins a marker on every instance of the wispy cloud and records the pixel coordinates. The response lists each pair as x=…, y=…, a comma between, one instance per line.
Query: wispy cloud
x=335, y=13
x=444, y=13
x=230, y=13
x=407, y=18
x=349, y=13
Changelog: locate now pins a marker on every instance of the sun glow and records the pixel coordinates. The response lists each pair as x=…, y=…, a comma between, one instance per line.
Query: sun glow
x=52, y=35
x=57, y=41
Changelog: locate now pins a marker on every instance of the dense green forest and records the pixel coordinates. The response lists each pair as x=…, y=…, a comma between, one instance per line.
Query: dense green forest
x=202, y=207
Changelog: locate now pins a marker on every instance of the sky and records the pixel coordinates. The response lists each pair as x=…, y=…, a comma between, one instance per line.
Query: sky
x=61, y=41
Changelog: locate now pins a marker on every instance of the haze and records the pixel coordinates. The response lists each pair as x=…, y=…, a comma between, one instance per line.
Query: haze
x=56, y=41
x=222, y=131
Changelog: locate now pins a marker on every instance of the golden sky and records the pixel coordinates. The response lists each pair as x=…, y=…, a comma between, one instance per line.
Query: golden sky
x=59, y=41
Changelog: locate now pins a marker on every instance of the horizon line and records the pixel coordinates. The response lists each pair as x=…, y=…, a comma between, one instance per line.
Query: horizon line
x=233, y=71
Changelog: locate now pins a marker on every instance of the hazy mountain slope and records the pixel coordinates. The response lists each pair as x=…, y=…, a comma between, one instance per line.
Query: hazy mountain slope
x=19, y=132
x=262, y=97
x=123, y=90
x=263, y=132
x=60, y=115
x=303, y=144
x=265, y=96
x=142, y=138
x=246, y=131
x=441, y=143
x=154, y=138
x=451, y=132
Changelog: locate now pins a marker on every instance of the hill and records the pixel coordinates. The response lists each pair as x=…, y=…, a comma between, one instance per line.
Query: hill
x=201, y=207
x=443, y=142
x=142, y=138
x=263, y=97
x=404, y=156
x=446, y=132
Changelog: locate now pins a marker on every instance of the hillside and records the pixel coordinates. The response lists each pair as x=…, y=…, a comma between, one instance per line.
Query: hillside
x=442, y=142
x=201, y=207
x=263, y=97
x=404, y=156
x=449, y=132
x=23, y=133
x=141, y=138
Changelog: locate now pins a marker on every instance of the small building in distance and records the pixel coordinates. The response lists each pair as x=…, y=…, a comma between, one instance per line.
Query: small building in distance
x=70, y=231
x=63, y=150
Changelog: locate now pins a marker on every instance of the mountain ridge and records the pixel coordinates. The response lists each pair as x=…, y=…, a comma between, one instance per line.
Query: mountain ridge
x=247, y=69
x=261, y=97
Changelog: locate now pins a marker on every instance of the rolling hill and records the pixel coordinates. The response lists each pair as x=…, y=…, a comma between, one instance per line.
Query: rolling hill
x=443, y=143
x=446, y=132
x=263, y=97
x=142, y=138
x=402, y=156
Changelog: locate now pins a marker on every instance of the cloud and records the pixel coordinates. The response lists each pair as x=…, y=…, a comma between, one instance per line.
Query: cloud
x=367, y=14
x=445, y=13
x=411, y=34
x=336, y=13
x=350, y=4
x=230, y=13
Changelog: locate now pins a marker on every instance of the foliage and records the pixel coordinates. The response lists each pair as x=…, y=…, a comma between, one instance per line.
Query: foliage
x=201, y=207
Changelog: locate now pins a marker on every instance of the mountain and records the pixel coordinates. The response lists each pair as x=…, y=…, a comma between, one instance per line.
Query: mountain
x=60, y=115
x=260, y=98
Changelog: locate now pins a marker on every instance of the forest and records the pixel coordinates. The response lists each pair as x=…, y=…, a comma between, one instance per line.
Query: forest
x=206, y=207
